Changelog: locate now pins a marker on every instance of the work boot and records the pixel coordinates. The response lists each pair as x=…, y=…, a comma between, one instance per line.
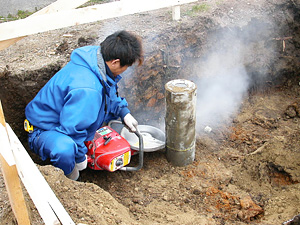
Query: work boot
x=74, y=175
x=82, y=165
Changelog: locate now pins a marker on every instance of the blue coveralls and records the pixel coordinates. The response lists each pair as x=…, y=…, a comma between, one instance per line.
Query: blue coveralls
x=69, y=109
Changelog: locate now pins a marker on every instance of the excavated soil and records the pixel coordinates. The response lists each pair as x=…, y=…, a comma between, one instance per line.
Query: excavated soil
x=243, y=57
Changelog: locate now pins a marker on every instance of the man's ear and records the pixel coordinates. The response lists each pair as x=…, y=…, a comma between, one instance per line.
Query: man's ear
x=115, y=61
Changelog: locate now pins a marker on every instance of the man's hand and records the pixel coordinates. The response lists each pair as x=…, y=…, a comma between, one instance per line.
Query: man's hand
x=130, y=122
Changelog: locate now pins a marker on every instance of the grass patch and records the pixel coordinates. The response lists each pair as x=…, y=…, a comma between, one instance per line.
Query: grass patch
x=93, y=2
x=23, y=14
x=219, y=2
x=20, y=15
x=200, y=8
x=196, y=9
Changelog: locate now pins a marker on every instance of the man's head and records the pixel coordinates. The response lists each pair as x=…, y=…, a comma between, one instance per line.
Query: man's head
x=120, y=50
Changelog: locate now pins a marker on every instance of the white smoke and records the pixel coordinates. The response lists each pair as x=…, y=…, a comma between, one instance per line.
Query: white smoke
x=222, y=84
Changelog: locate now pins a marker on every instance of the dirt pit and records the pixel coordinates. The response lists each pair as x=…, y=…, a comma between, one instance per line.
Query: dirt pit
x=243, y=57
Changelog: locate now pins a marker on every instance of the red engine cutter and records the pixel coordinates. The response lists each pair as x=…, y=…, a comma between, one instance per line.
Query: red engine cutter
x=110, y=151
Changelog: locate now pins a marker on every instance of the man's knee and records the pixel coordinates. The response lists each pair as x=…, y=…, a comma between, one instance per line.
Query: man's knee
x=61, y=149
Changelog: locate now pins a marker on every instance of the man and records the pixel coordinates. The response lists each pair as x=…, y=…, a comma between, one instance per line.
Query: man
x=78, y=99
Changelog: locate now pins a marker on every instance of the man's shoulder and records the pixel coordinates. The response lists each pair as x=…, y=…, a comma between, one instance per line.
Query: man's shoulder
x=87, y=48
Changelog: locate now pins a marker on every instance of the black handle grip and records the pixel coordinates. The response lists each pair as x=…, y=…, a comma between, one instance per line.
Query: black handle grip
x=107, y=140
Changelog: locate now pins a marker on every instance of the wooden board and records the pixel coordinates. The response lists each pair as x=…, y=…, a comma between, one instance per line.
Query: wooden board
x=54, y=7
x=12, y=183
x=46, y=22
x=60, y=5
x=47, y=204
x=5, y=148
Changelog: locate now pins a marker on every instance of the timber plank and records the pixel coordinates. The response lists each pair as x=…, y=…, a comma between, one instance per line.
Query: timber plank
x=13, y=185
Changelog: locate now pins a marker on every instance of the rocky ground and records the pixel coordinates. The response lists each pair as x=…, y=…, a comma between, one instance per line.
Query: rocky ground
x=244, y=58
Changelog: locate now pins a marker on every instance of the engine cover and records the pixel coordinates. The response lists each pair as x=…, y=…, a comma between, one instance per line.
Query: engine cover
x=108, y=150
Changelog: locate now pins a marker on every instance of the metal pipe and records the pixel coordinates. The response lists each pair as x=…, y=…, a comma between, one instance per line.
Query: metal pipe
x=180, y=121
x=141, y=149
x=141, y=154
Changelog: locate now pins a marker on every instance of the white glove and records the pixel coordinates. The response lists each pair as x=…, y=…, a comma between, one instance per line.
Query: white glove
x=130, y=122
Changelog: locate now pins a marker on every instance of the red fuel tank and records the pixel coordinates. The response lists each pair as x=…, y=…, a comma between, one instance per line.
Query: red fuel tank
x=108, y=150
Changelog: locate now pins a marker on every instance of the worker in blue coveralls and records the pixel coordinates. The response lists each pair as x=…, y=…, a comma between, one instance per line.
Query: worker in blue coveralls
x=79, y=99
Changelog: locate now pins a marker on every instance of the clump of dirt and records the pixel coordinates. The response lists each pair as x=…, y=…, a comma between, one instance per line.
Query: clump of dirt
x=246, y=169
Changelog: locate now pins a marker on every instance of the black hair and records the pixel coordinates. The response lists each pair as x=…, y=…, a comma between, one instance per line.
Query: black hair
x=122, y=45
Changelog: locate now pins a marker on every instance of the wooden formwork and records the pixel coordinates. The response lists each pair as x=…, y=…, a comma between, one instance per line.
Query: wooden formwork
x=63, y=13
